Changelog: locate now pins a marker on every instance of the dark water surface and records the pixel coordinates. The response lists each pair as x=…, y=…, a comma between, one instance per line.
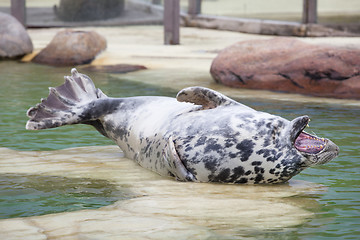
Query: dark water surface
x=337, y=215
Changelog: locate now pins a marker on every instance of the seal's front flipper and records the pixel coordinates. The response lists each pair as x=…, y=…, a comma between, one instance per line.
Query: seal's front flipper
x=66, y=104
x=174, y=163
x=205, y=97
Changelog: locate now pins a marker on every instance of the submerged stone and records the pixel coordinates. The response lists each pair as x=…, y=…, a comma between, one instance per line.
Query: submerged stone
x=117, y=68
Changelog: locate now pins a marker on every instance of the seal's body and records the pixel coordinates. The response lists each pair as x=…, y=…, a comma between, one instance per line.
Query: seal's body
x=200, y=136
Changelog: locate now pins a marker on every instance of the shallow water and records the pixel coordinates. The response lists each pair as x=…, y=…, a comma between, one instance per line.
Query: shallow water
x=24, y=195
x=333, y=212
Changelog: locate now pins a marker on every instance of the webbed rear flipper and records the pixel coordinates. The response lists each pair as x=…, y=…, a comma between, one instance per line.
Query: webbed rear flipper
x=66, y=104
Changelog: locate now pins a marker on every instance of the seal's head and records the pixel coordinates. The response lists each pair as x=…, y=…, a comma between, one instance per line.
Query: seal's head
x=315, y=150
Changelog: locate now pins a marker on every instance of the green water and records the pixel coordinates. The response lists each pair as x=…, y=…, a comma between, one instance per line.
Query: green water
x=337, y=214
x=31, y=195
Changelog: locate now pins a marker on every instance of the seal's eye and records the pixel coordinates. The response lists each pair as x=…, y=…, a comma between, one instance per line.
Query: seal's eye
x=309, y=144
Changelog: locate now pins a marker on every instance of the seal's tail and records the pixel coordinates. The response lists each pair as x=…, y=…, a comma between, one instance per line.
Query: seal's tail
x=65, y=104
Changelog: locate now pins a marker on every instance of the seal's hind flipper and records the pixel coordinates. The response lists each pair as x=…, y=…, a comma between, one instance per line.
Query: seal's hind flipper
x=205, y=97
x=65, y=104
x=174, y=163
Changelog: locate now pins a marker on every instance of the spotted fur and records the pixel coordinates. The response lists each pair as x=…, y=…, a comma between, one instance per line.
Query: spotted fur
x=201, y=136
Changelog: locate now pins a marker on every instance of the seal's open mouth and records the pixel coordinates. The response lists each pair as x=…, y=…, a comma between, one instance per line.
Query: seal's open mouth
x=303, y=141
x=309, y=144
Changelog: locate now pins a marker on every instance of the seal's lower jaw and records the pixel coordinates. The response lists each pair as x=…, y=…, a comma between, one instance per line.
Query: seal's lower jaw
x=309, y=144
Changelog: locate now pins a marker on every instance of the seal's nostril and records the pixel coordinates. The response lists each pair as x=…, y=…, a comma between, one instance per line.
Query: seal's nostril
x=337, y=150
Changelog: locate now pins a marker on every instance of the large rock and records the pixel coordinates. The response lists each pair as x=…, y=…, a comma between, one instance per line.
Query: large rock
x=14, y=40
x=290, y=65
x=69, y=48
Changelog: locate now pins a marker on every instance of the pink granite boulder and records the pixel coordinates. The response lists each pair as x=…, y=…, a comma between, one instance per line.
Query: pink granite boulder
x=69, y=48
x=290, y=65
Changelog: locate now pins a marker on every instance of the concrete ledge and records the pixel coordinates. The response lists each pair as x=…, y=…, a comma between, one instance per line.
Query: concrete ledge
x=266, y=27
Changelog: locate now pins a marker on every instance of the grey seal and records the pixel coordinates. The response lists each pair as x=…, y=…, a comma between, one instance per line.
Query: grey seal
x=201, y=135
